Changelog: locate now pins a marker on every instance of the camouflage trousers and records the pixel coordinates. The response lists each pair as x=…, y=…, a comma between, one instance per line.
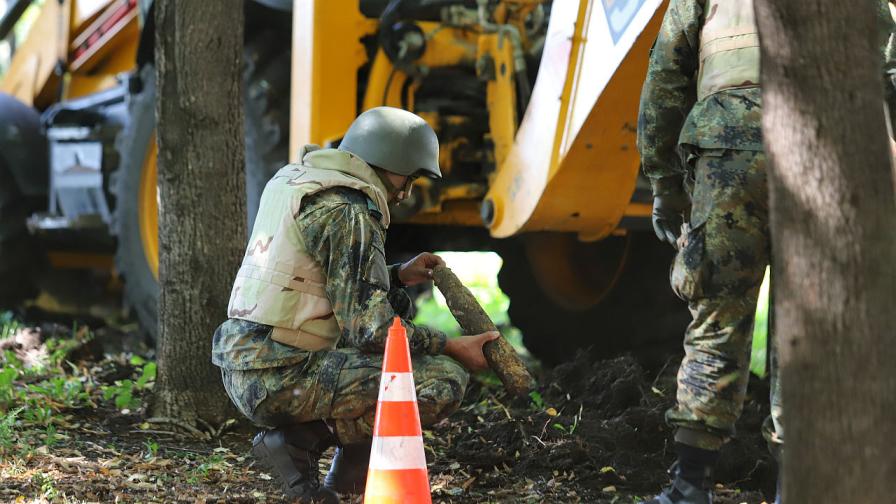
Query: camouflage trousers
x=723, y=254
x=340, y=387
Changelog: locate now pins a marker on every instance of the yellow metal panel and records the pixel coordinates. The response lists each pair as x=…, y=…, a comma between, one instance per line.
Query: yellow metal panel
x=82, y=85
x=114, y=54
x=608, y=43
x=123, y=36
x=444, y=47
x=520, y=180
x=592, y=185
x=80, y=260
x=447, y=46
x=327, y=53
x=500, y=93
x=584, y=179
x=31, y=76
x=453, y=213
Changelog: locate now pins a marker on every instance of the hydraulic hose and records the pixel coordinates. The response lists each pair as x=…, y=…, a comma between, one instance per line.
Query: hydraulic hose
x=524, y=89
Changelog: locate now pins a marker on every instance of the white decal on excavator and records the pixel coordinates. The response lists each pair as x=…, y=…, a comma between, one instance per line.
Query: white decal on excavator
x=620, y=14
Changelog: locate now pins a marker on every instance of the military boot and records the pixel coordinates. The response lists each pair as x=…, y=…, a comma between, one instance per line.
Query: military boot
x=348, y=474
x=691, y=477
x=292, y=455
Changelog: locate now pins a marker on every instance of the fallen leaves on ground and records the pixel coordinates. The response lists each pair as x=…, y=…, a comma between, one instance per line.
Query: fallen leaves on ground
x=593, y=432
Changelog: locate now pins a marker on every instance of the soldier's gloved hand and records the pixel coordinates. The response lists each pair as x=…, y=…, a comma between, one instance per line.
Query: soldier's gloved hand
x=670, y=203
x=467, y=350
x=419, y=269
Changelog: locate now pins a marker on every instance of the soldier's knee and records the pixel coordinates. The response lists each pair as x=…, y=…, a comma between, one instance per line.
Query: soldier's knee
x=437, y=399
x=246, y=391
x=441, y=394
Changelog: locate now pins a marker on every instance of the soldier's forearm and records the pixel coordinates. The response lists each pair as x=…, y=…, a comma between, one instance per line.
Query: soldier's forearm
x=394, y=279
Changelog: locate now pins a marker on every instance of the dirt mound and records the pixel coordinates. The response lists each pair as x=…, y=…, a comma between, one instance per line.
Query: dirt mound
x=593, y=432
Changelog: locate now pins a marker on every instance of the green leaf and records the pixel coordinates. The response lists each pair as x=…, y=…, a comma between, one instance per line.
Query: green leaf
x=760, y=329
x=537, y=400
x=148, y=375
x=123, y=400
x=7, y=375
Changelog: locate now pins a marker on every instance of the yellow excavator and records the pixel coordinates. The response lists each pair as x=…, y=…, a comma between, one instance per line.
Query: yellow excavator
x=534, y=101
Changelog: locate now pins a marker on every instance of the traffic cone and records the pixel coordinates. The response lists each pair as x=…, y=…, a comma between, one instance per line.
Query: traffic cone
x=397, y=472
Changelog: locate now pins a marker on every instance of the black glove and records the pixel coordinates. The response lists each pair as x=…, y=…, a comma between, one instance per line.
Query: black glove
x=402, y=304
x=669, y=206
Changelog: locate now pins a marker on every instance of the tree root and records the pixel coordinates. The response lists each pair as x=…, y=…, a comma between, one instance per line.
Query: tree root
x=196, y=433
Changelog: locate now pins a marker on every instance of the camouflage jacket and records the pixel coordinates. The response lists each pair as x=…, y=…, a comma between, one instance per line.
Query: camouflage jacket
x=343, y=234
x=670, y=116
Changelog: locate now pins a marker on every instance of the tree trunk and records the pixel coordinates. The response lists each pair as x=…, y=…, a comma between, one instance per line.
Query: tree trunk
x=834, y=247
x=202, y=212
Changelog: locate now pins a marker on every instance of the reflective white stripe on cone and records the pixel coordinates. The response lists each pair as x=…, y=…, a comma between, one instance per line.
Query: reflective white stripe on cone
x=397, y=452
x=397, y=387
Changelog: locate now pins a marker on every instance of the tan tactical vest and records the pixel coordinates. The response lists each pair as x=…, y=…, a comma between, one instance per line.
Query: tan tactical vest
x=279, y=284
x=729, y=47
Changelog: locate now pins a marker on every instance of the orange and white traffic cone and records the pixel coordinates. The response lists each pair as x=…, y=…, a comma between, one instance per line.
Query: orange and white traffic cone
x=397, y=473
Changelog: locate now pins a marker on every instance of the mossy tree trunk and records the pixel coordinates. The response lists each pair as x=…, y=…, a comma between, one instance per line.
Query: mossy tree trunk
x=202, y=211
x=834, y=247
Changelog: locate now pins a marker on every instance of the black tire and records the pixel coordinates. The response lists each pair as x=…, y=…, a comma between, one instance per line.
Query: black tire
x=24, y=172
x=266, y=100
x=20, y=256
x=141, y=287
x=640, y=315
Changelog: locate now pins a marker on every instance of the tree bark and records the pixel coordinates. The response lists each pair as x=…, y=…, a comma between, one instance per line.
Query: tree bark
x=202, y=210
x=500, y=354
x=834, y=247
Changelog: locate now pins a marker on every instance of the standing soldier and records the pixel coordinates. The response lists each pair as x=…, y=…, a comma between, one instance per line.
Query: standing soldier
x=700, y=139
x=302, y=352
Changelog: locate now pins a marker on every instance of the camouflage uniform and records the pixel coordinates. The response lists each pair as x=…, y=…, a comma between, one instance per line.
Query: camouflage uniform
x=275, y=384
x=713, y=147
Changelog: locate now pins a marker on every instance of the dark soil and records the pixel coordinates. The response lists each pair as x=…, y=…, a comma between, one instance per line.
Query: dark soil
x=598, y=437
x=593, y=433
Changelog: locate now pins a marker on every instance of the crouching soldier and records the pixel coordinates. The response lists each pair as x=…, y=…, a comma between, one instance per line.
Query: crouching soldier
x=302, y=351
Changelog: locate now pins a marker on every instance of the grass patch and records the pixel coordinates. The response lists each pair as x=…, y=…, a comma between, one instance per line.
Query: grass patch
x=126, y=393
x=31, y=402
x=8, y=325
x=759, y=352
x=37, y=396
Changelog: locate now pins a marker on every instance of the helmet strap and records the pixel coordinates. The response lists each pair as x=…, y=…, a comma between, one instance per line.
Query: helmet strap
x=390, y=187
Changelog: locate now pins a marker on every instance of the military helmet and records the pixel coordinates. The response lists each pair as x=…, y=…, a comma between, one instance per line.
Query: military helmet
x=395, y=140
